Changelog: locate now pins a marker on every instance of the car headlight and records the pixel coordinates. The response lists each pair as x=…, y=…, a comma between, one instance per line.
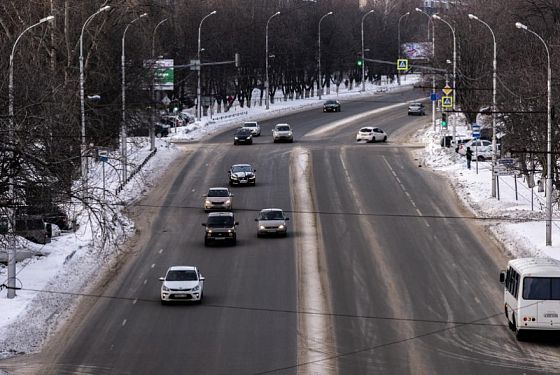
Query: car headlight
x=261, y=227
x=252, y=177
x=249, y=137
x=229, y=230
x=233, y=177
x=208, y=202
x=236, y=138
x=196, y=288
x=227, y=203
x=164, y=288
x=209, y=231
x=281, y=226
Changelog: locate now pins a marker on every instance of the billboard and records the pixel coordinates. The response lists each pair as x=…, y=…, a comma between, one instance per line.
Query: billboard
x=417, y=50
x=163, y=73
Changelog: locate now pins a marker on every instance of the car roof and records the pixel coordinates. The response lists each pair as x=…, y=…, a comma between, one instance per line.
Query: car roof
x=283, y=124
x=548, y=267
x=215, y=214
x=331, y=101
x=270, y=209
x=241, y=165
x=218, y=188
x=367, y=127
x=415, y=103
x=249, y=123
x=182, y=268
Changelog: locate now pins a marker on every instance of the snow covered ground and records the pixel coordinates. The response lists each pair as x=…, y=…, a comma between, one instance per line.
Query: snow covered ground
x=52, y=280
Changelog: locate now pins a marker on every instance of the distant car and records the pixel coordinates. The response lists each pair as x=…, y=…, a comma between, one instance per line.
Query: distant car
x=371, y=134
x=187, y=117
x=254, y=127
x=272, y=221
x=220, y=227
x=182, y=283
x=282, y=132
x=243, y=136
x=218, y=198
x=416, y=109
x=482, y=149
x=161, y=130
x=173, y=120
x=331, y=106
x=242, y=174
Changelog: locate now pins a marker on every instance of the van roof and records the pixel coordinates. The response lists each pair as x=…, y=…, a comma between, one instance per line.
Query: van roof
x=536, y=266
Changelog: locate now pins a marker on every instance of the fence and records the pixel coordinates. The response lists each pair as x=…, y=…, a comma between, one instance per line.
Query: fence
x=136, y=170
x=224, y=117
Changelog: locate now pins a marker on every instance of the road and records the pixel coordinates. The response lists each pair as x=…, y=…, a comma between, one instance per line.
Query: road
x=383, y=272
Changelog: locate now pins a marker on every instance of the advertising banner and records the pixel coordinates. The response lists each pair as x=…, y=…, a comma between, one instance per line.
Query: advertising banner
x=163, y=73
x=417, y=50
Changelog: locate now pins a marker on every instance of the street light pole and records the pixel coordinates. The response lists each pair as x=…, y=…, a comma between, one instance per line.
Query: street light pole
x=266, y=99
x=519, y=25
x=319, y=81
x=198, y=89
x=494, y=106
x=124, y=152
x=83, y=158
x=363, y=57
x=433, y=63
x=151, y=128
x=11, y=193
x=399, y=44
x=454, y=73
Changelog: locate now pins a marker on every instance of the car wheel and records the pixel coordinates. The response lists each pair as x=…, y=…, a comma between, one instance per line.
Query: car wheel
x=291, y=141
x=251, y=142
x=385, y=139
x=163, y=302
x=274, y=140
x=206, y=242
x=259, y=235
x=158, y=135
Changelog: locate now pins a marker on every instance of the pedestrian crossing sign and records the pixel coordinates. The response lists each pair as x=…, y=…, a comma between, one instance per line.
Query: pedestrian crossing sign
x=402, y=64
x=447, y=102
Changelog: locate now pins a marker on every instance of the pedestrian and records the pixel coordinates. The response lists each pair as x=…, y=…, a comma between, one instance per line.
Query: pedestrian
x=468, y=154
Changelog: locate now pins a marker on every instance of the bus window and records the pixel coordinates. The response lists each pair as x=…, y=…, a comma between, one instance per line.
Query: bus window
x=541, y=288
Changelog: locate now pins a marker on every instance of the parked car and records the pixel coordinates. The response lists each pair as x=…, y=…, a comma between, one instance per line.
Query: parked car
x=220, y=227
x=331, y=106
x=218, y=198
x=253, y=126
x=173, y=120
x=282, y=132
x=182, y=283
x=243, y=136
x=242, y=174
x=482, y=149
x=271, y=221
x=371, y=134
x=161, y=130
x=416, y=109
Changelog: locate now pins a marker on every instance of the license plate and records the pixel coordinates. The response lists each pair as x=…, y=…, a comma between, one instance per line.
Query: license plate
x=180, y=296
x=243, y=181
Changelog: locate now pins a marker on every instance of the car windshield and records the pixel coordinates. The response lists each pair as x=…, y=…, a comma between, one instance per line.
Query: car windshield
x=331, y=102
x=283, y=128
x=218, y=193
x=220, y=222
x=366, y=130
x=181, y=275
x=241, y=168
x=250, y=125
x=271, y=215
x=243, y=131
x=416, y=105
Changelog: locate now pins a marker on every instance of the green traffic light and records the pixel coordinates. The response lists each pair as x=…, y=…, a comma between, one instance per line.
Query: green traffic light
x=359, y=62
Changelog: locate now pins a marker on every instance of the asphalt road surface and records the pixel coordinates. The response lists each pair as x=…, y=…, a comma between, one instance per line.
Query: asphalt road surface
x=382, y=272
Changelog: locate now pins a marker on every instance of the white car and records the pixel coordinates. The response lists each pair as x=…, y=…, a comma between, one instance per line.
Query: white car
x=480, y=148
x=282, y=132
x=253, y=126
x=182, y=283
x=371, y=134
x=218, y=198
x=272, y=221
x=242, y=174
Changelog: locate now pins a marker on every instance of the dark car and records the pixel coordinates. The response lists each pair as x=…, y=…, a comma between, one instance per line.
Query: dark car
x=220, y=227
x=416, y=109
x=243, y=135
x=331, y=106
x=161, y=130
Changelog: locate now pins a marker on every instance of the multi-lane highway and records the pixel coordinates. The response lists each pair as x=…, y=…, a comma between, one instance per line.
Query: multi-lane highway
x=382, y=272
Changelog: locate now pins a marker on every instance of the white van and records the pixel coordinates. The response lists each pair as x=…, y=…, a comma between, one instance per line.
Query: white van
x=532, y=294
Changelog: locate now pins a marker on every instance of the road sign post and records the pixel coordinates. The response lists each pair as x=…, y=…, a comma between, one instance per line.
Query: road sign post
x=402, y=64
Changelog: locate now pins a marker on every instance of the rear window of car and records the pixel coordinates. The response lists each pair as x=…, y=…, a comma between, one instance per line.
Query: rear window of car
x=366, y=130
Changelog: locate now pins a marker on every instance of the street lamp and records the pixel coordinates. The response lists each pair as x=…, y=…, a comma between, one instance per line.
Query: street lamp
x=363, y=57
x=519, y=25
x=154, y=67
x=266, y=68
x=433, y=63
x=494, y=73
x=198, y=104
x=82, y=100
x=12, y=258
x=399, y=43
x=124, y=151
x=319, y=60
x=454, y=70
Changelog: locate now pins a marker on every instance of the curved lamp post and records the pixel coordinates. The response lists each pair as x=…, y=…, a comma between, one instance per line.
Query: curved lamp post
x=519, y=25
x=494, y=73
x=399, y=43
x=124, y=152
x=12, y=257
x=82, y=100
x=151, y=129
x=198, y=90
x=266, y=83
x=363, y=57
x=433, y=61
x=319, y=59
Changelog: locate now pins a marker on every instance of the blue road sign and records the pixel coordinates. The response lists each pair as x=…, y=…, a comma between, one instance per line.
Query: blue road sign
x=433, y=97
x=476, y=131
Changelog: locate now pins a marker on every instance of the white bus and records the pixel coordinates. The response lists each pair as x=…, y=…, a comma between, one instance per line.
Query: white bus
x=532, y=294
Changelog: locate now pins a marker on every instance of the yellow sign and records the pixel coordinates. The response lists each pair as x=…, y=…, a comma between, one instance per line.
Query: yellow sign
x=447, y=102
x=402, y=64
x=447, y=90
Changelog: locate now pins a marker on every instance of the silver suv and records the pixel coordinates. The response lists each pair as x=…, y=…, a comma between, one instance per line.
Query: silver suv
x=254, y=127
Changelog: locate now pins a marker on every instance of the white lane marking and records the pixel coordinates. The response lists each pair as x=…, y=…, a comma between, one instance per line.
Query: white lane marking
x=123, y=322
x=153, y=265
x=419, y=213
x=160, y=251
x=337, y=124
x=315, y=336
x=135, y=300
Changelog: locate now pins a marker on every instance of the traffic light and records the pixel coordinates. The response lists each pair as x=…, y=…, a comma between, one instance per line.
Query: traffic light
x=359, y=59
x=444, y=120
